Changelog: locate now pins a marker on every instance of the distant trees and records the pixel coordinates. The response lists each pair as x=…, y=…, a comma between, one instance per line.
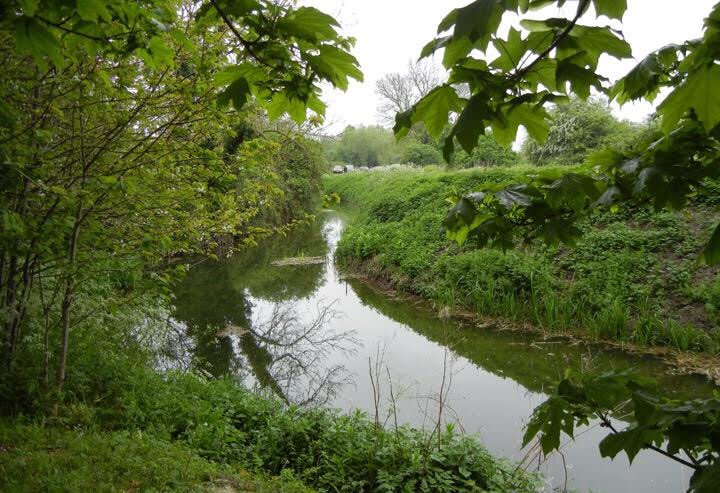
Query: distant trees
x=578, y=129
x=419, y=153
x=399, y=91
x=363, y=146
x=487, y=153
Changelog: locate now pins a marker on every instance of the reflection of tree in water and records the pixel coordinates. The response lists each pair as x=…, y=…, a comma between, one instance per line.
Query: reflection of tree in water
x=285, y=352
x=205, y=303
x=253, y=269
x=299, y=349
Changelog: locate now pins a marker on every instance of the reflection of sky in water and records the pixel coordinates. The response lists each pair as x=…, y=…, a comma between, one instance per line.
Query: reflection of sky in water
x=276, y=334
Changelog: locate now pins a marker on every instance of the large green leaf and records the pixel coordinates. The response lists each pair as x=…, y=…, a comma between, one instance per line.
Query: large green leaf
x=642, y=81
x=309, y=23
x=700, y=92
x=434, y=108
x=511, y=51
x=630, y=441
x=478, y=20
x=335, y=65
x=533, y=117
x=238, y=92
x=472, y=121
x=706, y=479
x=573, y=189
x=33, y=38
x=615, y=9
x=91, y=10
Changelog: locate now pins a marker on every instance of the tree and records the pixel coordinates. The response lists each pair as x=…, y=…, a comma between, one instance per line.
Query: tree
x=398, y=92
x=417, y=153
x=364, y=146
x=486, y=153
x=110, y=116
x=578, y=129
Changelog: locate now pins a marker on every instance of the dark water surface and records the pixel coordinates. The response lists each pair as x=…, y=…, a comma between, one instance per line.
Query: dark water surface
x=307, y=335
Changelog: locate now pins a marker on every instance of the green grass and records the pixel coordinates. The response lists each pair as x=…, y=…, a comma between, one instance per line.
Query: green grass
x=633, y=276
x=183, y=432
x=49, y=458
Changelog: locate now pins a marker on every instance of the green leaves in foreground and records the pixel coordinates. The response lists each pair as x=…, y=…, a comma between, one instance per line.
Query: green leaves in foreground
x=543, y=63
x=665, y=171
x=544, y=206
x=290, y=49
x=685, y=431
x=546, y=61
x=284, y=73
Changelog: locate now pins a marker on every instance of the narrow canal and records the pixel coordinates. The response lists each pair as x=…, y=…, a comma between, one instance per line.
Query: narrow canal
x=312, y=337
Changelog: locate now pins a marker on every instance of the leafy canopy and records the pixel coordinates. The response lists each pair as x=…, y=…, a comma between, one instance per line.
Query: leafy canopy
x=277, y=54
x=512, y=77
x=685, y=431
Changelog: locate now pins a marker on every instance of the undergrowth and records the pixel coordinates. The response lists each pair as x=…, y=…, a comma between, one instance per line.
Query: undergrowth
x=633, y=276
x=121, y=425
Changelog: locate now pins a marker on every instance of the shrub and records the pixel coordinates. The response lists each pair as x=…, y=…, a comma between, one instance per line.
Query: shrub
x=421, y=154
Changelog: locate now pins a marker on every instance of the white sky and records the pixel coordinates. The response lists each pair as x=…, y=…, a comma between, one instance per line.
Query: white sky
x=391, y=32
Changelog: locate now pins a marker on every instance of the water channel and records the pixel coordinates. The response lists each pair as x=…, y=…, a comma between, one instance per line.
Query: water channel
x=313, y=337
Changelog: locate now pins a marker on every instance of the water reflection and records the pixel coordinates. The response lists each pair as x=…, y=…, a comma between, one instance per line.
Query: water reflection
x=312, y=337
x=243, y=316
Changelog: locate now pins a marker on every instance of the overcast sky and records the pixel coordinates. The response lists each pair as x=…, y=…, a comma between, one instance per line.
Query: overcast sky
x=391, y=32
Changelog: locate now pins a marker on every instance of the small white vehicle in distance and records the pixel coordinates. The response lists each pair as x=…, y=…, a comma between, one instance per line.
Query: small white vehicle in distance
x=337, y=169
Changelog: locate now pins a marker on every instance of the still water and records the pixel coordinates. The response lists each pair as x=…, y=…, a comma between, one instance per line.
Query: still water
x=312, y=337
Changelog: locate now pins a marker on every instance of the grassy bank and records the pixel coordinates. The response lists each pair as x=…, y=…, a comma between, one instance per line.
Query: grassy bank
x=121, y=425
x=633, y=277
x=181, y=432
x=48, y=458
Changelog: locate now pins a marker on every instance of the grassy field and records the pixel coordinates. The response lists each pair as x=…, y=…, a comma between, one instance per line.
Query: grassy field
x=634, y=276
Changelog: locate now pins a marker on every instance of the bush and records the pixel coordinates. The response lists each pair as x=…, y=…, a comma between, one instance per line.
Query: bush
x=487, y=153
x=421, y=154
x=579, y=128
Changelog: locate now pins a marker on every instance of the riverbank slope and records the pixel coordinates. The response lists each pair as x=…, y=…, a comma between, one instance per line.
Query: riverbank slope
x=633, y=277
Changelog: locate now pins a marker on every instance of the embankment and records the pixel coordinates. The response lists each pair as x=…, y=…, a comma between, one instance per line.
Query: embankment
x=633, y=278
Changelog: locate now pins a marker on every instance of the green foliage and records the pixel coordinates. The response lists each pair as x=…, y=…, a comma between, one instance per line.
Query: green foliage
x=686, y=431
x=38, y=458
x=121, y=411
x=269, y=72
x=417, y=153
x=363, y=146
x=630, y=277
x=545, y=62
x=487, y=153
x=120, y=153
x=330, y=199
x=579, y=128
